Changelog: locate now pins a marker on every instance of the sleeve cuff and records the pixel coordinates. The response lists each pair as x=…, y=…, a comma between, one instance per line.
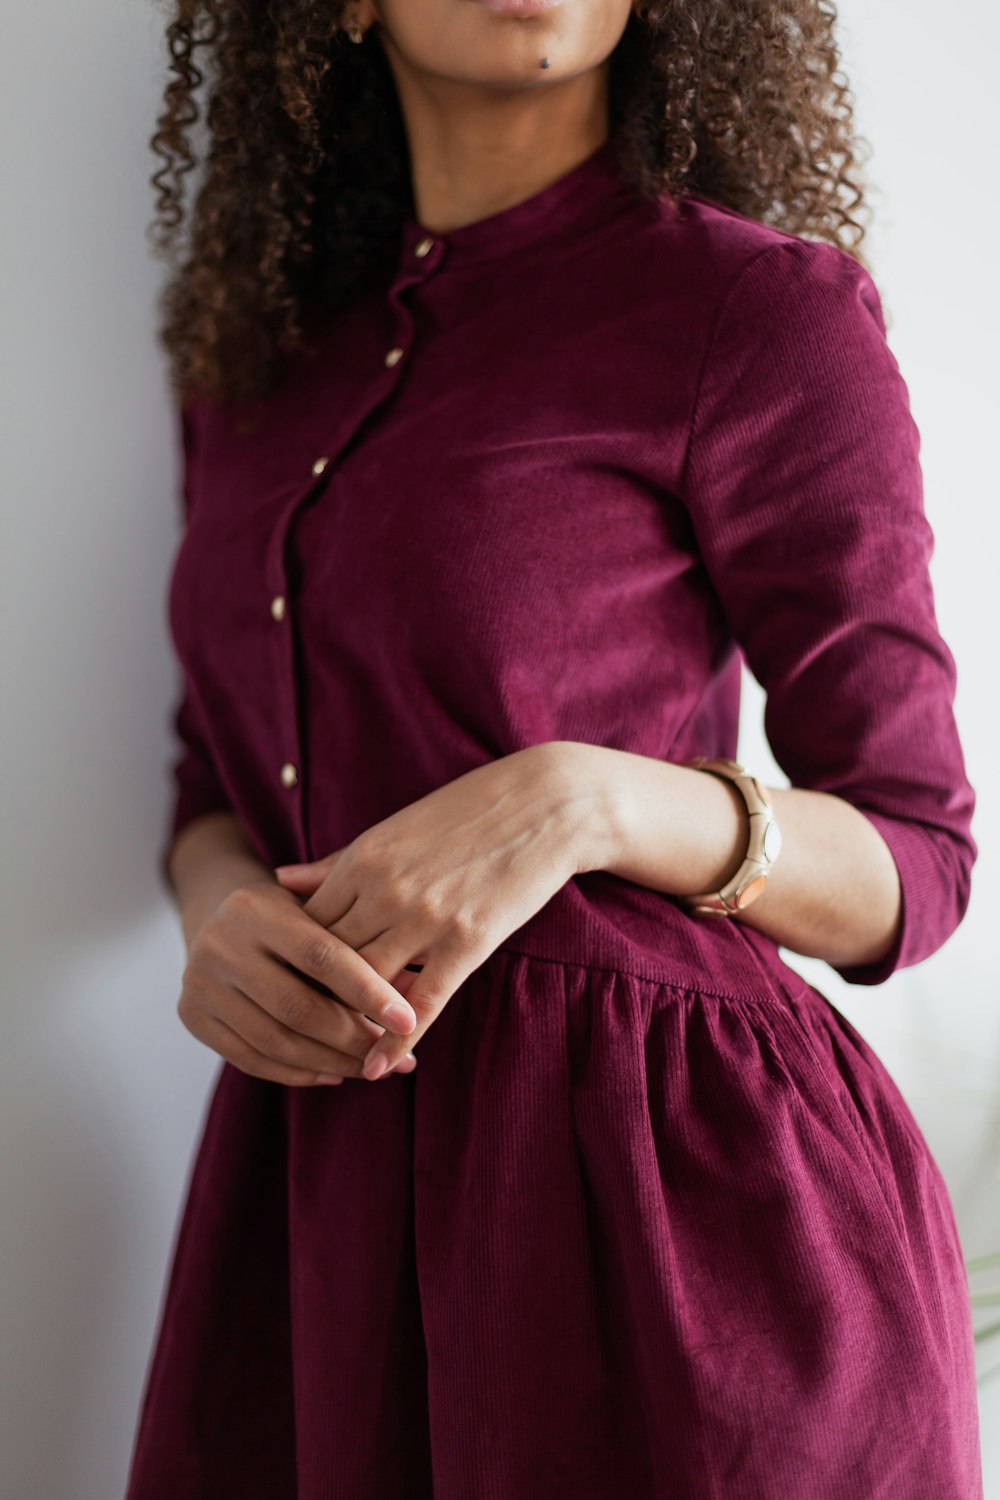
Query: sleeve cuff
x=925, y=921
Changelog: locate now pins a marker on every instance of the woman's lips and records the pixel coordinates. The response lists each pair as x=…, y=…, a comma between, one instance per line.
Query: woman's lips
x=518, y=7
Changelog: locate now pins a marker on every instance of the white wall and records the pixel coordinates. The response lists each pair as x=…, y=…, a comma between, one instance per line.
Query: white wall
x=102, y=1088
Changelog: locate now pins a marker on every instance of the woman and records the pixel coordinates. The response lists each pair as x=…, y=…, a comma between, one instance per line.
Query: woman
x=529, y=374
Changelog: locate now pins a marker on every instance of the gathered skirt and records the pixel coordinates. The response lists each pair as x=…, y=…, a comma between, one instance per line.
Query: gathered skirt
x=612, y=1238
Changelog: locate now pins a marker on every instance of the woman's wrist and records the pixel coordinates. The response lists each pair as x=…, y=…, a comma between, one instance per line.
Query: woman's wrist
x=585, y=791
x=651, y=821
x=834, y=894
x=211, y=859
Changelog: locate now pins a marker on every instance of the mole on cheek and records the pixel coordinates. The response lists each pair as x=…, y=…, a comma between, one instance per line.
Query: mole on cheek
x=545, y=63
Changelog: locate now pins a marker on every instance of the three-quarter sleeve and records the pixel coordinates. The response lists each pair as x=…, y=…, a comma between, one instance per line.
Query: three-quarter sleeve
x=803, y=483
x=196, y=786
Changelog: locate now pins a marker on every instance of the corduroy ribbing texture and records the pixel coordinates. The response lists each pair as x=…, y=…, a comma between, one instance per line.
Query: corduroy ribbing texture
x=650, y=1219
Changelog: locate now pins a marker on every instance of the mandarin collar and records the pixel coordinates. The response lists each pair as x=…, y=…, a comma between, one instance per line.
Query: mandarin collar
x=580, y=201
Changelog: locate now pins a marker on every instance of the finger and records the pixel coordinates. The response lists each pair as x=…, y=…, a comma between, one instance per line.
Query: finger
x=330, y=901
x=447, y=966
x=266, y=1034
x=408, y=1062
x=404, y=980
x=301, y=867
x=302, y=1004
x=320, y=1015
x=310, y=1008
x=235, y=1049
x=302, y=881
x=351, y=925
x=306, y=878
x=355, y=982
x=240, y=966
x=323, y=1021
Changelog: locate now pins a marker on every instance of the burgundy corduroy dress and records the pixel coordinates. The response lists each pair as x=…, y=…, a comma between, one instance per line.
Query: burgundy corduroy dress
x=649, y=1220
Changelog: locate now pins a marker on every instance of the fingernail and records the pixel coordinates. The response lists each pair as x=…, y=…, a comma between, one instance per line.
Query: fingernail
x=398, y=1011
x=328, y=1078
x=281, y=869
x=375, y=1065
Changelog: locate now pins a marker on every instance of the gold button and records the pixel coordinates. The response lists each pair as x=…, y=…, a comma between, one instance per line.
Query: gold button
x=320, y=465
x=278, y=606
x=422, y=246
x=289, y=775
x=394, y=356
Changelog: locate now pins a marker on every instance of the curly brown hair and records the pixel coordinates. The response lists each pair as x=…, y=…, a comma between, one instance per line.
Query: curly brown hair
x=306, y=168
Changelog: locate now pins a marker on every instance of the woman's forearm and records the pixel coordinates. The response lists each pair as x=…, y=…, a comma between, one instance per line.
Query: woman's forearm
x=210, y=857
x=834, y=892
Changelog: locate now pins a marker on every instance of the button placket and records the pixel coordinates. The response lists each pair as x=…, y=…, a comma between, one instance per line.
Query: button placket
x=398, y=353
x=288, y=750
x=420, y=258
x=421, y=253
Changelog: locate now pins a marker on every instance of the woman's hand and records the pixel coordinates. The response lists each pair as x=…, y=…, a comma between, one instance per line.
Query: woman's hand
x=257, y=990
x=444, y=881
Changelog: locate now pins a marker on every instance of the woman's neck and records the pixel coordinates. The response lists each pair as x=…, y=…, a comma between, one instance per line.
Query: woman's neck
x=475, y=151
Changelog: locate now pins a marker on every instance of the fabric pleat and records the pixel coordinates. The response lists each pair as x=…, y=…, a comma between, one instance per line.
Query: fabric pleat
x=611, y=1237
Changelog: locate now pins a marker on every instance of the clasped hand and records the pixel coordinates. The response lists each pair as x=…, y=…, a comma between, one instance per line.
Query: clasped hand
x=442, y=882
x=335, y=969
